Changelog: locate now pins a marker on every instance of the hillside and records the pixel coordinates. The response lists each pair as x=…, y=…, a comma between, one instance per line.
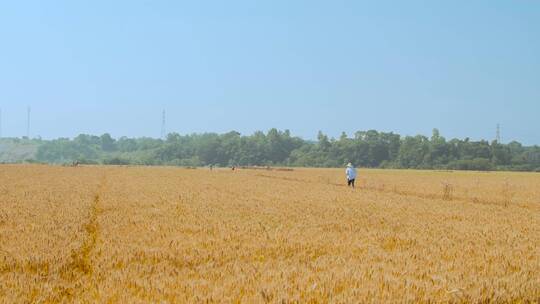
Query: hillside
x=13, y=150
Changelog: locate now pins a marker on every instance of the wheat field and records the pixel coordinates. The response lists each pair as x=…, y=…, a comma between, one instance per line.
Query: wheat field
x=172, y=235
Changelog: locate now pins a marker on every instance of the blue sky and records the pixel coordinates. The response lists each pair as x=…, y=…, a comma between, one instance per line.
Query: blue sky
x=403, y=66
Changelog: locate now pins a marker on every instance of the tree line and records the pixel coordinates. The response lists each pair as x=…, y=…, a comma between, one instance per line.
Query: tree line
x=371, y=149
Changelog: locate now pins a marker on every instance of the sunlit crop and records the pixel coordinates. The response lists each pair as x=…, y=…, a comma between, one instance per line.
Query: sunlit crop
x=170, y=235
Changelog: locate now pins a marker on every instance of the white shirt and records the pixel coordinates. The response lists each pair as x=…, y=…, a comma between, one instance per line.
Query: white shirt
x=351, y=173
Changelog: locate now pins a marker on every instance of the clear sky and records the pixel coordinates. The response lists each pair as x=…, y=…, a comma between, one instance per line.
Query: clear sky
x=404, y=66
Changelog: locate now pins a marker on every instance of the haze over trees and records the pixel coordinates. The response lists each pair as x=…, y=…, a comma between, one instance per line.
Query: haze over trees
x=279, y=148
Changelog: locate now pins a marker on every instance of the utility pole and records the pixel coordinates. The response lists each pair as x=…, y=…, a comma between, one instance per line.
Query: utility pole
x=163, y=131
x=28, y=123
x=498, y=138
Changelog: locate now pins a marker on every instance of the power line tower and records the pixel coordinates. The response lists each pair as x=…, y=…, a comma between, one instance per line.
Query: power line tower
x=163, y=131
x=28, y=123
x=498, y=138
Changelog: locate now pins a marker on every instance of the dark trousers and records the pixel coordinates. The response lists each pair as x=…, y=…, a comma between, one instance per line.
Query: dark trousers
x=350, y=182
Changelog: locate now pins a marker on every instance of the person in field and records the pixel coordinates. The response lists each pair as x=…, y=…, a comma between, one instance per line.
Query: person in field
x=351, y=175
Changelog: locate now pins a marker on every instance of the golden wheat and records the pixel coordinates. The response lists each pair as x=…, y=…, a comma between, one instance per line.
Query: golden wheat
x=168, y=235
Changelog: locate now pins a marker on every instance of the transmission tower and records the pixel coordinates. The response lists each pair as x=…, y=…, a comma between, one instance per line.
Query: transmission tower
x=163, y=131
x=498, y=133
x=28, y=123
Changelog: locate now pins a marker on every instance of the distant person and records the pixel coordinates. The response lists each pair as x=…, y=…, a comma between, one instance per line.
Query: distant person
x=351, y=175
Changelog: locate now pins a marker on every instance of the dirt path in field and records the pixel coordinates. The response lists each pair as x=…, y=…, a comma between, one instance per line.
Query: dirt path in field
x=92, y=231
x=81, y=267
